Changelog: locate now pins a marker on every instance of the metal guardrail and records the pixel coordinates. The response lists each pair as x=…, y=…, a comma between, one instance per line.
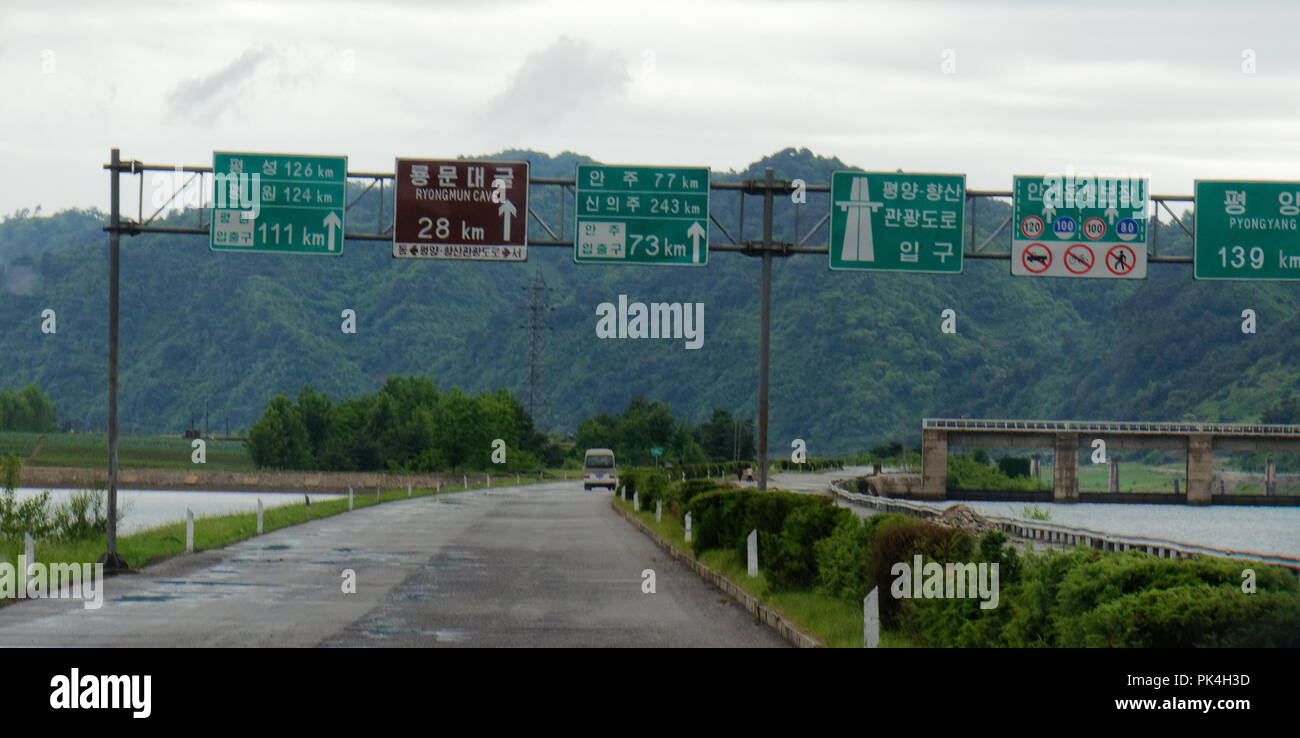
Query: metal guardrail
x=1108, y=426
x=1057, y=533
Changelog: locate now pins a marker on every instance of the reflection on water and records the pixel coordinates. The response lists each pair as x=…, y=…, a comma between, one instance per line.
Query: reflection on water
x=141, y=510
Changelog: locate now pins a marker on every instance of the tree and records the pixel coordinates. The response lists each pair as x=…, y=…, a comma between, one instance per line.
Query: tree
x=599, y=431
x=29, y=410
x=644, y=425
x=724, y=438
x=314, y=408
x=1285, y=411
x=278, y=439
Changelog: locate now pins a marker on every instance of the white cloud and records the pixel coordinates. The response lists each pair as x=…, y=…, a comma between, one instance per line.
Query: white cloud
x=1037, y=85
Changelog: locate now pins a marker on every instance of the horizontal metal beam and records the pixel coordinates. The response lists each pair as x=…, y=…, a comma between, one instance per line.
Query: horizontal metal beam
x=1011, y=426
x=132, y=229
x=751, y=187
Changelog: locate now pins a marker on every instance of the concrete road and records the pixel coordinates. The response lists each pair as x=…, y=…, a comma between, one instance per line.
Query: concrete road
x=813, y=482
x=538, y=565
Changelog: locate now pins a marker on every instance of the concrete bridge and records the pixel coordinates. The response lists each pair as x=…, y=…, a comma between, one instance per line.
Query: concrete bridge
x=1066, y=437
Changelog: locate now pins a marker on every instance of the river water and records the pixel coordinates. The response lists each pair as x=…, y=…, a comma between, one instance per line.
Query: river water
x=1263, y=530
x=141, y=510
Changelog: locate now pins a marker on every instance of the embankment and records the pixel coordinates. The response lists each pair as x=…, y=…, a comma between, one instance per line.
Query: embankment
x=241, y=481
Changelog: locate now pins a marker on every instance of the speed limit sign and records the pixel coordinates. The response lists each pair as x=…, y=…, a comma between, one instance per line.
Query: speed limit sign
x=1032, y=226
x=1077, y=227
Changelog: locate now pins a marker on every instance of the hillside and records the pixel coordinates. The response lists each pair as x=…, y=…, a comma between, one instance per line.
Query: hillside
x=856, y=357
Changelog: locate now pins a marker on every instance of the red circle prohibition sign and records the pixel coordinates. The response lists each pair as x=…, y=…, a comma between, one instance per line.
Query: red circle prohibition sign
x=1042, y=258
x=1075, y=260
x=1032, y=223
x=1124, y=263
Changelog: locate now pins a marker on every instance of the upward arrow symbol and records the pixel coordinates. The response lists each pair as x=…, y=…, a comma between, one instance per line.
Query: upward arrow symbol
x=506, y=211
x=331, y=222
x=695, y=233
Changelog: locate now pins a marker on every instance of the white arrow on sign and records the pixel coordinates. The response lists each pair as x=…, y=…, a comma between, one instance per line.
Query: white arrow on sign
x=331, y=222
x=1111, y=214
x=1049, y=212
x=695, y=233
x=506, y=210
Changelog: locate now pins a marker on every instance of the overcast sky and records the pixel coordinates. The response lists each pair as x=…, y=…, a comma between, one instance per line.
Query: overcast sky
x=1174, y=90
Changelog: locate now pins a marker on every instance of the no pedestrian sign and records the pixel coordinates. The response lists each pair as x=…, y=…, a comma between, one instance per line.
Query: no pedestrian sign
x=456, y=209
x=1079, y=226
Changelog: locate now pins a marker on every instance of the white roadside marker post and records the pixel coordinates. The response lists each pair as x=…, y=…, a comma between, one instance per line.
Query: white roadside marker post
x=752, y=546
x=871, y=619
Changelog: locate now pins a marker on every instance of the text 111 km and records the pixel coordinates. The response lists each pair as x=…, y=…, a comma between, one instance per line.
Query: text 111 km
x=271, y=235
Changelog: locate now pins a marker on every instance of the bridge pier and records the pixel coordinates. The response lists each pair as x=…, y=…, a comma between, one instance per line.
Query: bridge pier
x=1065, y=475
x=934, y=464
x=1200, y=467
x=1200, y=440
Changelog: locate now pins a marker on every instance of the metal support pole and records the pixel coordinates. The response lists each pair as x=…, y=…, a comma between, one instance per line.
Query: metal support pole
x=765, y=329
x=110, y=559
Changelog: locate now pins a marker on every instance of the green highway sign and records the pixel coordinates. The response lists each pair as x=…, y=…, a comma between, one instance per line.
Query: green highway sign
x=656, y=451
x=891, y=221
x=278, y=203
x=1079, y=226
x=1247, y=230
x=642, y=215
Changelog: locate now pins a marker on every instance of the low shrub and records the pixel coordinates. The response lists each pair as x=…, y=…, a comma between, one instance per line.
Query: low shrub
x=718, y=519
x=900, y=543
x=651, y=487
x=791, y=556
x=965, y=472
x=1197, y=615
x=812, y=464
x=844, y=560
x=84, y=515
x=678, y=494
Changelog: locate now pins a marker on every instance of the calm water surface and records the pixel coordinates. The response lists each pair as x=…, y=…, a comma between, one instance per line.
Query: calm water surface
x=141, y=510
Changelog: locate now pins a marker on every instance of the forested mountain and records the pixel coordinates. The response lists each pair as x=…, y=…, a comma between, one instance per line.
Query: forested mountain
x=856, y=357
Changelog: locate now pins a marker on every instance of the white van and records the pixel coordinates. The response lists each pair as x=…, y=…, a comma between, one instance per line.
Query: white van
x=598, y=469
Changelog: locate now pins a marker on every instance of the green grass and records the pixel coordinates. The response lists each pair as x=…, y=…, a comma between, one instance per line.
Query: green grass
x=838, y=623
x=90, y=451
x=1258, y=489
x=12, y=442
x=1133, y=477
